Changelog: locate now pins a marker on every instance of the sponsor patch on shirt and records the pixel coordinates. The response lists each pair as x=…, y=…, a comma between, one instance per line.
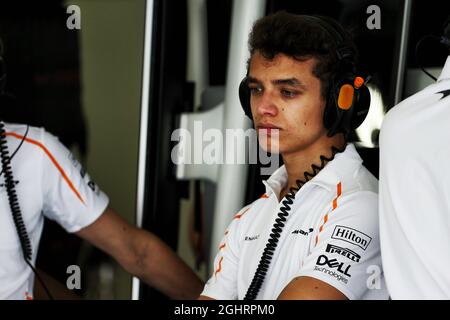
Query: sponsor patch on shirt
x=303, y=232
x=340, y=267
x=352, y=236
x=247, y=238
x=91, y=184
x=351, y=255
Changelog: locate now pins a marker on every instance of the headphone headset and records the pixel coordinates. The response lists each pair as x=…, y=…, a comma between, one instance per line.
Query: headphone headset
x=348, y=98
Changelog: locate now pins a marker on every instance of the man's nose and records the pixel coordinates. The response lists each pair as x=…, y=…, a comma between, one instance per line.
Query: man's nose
x=265, y=104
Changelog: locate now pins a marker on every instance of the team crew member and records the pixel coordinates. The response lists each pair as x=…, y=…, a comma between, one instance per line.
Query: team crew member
x=326, y=233
x=415, y=192
x=49, y=182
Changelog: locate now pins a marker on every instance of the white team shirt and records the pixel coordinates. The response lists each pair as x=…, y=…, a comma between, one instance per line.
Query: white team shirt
x=50, y=182
x=415, y=193
x=331, y=234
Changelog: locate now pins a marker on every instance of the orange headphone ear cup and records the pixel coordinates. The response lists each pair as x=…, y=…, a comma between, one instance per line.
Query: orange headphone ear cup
x=340, y=101
x=348, y=105
x=346, y=97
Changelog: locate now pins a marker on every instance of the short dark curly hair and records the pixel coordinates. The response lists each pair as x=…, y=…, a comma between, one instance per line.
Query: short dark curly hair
x=302, y=37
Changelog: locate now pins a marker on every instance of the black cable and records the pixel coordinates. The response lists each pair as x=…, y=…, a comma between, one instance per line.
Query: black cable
x=14, y=204
x=266, y=258
x=12, y=196
x=18, y=147
x=417, y=53
x=47, y=291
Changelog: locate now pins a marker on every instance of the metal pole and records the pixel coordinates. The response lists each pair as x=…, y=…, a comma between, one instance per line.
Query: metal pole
x=403, y=49
x=231, y=185
x=143, y=132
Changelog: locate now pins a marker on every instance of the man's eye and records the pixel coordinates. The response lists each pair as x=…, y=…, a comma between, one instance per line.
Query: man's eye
x=288, y=93
x=255, y=90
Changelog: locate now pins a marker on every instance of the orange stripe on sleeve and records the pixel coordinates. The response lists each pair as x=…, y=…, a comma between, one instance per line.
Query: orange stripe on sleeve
x=219, y=268
x=28, y=297
x=52, y=159
x=339, y=191
x=223, y=245
x=238, y=216
x=335, y=205
x=264, y=196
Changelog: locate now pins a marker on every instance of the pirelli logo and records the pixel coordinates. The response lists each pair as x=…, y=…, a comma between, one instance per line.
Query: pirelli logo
x=349, y=254
x=351, y=236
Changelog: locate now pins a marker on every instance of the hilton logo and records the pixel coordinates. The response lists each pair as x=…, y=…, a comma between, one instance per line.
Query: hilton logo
x=351, y=236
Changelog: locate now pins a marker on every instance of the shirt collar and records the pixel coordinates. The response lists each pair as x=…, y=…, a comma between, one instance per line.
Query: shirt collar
x=343, y=163
x=445, y=74
x=276, y=181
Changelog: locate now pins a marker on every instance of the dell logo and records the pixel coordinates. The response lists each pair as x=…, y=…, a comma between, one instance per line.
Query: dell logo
x=333, y=264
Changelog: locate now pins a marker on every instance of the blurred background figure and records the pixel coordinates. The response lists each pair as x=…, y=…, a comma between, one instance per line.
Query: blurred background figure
x=414, y=184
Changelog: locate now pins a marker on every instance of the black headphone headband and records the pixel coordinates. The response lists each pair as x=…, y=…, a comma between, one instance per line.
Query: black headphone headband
x=348, y=99
x=343, y=51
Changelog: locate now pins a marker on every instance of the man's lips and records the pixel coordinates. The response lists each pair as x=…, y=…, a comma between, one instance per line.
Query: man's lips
x=267, y=129
x=267, y=126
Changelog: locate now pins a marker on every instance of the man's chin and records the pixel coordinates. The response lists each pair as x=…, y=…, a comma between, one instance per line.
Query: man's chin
x=270, y=148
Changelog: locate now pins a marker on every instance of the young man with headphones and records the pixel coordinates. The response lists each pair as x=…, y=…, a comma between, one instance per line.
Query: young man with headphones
x=314, y=233
x=39, y=177
x=415, y=190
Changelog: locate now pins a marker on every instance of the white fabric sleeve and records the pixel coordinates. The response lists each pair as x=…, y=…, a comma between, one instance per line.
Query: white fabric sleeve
x=223, y=283
x=70, y=197
x=348, y=245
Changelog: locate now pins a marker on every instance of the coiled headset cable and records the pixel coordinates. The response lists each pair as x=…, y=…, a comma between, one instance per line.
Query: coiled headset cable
x=274, y=237
x=14, y=202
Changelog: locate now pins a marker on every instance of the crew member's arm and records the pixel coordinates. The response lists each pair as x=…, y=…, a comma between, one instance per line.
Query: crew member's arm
x=143, y=255
x=71, y=198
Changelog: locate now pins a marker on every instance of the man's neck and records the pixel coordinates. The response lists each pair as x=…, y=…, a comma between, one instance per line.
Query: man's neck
x=299, y=162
